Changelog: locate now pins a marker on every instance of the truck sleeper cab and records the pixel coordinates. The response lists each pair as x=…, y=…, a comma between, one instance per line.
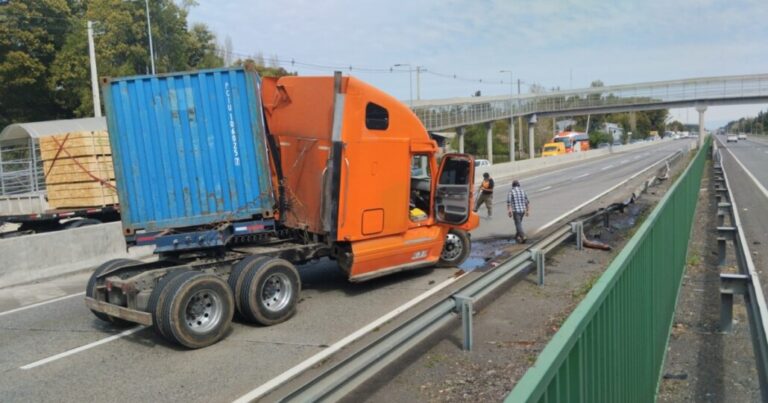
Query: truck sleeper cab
x=281, y=172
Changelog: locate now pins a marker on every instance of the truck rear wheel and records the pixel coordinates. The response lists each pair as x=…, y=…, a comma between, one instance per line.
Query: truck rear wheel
x=197, y=309
x=157, y=298
x=455, y=249
x=237, y=275
x=269, y=292
x=93, y=282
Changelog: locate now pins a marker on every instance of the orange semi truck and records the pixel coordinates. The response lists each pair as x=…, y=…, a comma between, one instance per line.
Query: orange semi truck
x=236, y=180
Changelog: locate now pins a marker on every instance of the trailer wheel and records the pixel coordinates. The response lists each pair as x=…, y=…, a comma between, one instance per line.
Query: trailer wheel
x=197, y=309
x=93, y=282
x=455, y=249
x=156, y=299
x=237, y=275
x=270, y=292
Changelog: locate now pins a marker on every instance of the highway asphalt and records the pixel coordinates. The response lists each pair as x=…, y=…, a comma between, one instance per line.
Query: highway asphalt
x=58, y=351
x=752, y=155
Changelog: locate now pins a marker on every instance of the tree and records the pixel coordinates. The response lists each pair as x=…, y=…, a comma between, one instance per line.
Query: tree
x=122, y=43
x=263, y=70
x=31, y=33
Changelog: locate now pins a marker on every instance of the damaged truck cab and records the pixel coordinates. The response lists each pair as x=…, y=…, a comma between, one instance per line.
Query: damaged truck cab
x=236, y=180
x=356, y=163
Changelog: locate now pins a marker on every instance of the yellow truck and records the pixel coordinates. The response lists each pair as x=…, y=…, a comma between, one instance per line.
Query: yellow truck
x=551, y=149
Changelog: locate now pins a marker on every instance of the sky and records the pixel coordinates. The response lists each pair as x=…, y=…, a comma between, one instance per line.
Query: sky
x=565, y=44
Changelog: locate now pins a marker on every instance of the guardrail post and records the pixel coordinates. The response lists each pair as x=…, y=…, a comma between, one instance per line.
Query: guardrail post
x=723, y=209
x=538, y=258
x=730, y=284
x=724, y=234
x=464, y=306
x=577, y=227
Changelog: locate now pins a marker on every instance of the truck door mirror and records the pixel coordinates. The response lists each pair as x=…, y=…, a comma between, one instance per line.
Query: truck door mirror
x=453, y=191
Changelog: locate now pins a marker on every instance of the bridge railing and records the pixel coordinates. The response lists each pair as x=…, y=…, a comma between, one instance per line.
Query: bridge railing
x=612, y=347
x=446, y=113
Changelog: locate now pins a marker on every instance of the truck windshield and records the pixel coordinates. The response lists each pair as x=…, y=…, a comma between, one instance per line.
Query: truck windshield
x=550, y=148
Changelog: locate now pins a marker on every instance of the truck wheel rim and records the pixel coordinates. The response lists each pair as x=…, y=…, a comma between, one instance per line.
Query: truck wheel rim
x=203, y=311
x=452, y=248
x=276, y=292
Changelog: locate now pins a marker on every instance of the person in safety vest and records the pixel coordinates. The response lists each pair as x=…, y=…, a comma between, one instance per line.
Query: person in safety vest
x=485, y=194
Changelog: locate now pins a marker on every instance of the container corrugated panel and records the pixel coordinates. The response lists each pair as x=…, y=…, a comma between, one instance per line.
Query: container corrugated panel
x=188, y=148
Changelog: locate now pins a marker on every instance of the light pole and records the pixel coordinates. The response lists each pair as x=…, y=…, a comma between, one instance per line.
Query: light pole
x=410, y=80
x=511, y=116
x=149, y=30
x=94, y=74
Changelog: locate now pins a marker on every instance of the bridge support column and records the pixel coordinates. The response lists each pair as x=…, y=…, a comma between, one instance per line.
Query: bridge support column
x=531, y=126
x=489, y=142
x=460, y=133
x=512, y=139
x=701, y=109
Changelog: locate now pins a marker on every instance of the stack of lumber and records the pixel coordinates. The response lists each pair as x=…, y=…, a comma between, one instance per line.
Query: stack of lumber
x=78, y=170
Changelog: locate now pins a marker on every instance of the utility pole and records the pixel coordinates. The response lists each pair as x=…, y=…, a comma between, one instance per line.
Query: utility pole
x=149, y=30
x=94, y=74
x=519, y=119
x=418, y=83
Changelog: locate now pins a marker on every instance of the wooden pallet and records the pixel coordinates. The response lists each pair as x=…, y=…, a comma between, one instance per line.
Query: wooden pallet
x=82, y=194
x=78, y=169
x=77, y=144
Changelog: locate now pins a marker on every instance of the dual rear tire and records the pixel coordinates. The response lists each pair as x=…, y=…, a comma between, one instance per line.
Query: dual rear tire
x=195, y=309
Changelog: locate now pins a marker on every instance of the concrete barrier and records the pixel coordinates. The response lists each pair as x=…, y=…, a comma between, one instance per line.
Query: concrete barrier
x=507, y=169
x=34, y=257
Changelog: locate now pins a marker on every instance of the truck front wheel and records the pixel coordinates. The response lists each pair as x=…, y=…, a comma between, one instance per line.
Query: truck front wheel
x=197, y=310
x=269, y=292
x=455, y=249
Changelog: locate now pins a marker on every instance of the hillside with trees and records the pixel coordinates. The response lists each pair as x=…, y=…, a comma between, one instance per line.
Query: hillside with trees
x=756, y=125
x=44, y=65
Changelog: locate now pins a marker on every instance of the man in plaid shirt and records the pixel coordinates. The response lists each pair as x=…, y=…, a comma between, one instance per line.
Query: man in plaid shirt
x=517, y=206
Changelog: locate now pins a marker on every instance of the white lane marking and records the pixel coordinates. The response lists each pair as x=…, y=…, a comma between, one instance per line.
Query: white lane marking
x=757, y=183
x=577, y=208
x=623, y=161
x=606, y=167
x=23, y=308
x=543, y=189
x=83, y=348
x=322, y=355
x=582, y=176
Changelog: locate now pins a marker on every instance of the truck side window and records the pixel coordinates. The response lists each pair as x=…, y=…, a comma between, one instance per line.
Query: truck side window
x=376, y=117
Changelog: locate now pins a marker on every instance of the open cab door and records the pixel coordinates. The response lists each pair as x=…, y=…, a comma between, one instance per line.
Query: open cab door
x=453, y=190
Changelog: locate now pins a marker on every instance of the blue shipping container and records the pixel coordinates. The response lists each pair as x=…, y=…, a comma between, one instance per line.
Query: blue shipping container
x=188, y=148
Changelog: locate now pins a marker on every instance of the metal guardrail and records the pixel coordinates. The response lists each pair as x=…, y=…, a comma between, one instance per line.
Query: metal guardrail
x=612, y=347
x=441, y=114
x=746, y=282
x=338, y=379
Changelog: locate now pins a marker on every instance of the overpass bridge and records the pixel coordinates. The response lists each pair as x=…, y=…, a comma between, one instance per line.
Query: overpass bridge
x=441, y=114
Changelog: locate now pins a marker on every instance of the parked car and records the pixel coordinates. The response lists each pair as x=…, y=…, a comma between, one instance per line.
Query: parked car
x=482, y=163
x=742, y=136
x=732, y=138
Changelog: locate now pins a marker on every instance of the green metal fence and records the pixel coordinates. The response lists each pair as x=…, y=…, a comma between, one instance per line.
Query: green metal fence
x=612, y=347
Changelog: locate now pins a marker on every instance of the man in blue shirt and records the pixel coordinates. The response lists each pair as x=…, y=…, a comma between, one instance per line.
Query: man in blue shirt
x=517, y=206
